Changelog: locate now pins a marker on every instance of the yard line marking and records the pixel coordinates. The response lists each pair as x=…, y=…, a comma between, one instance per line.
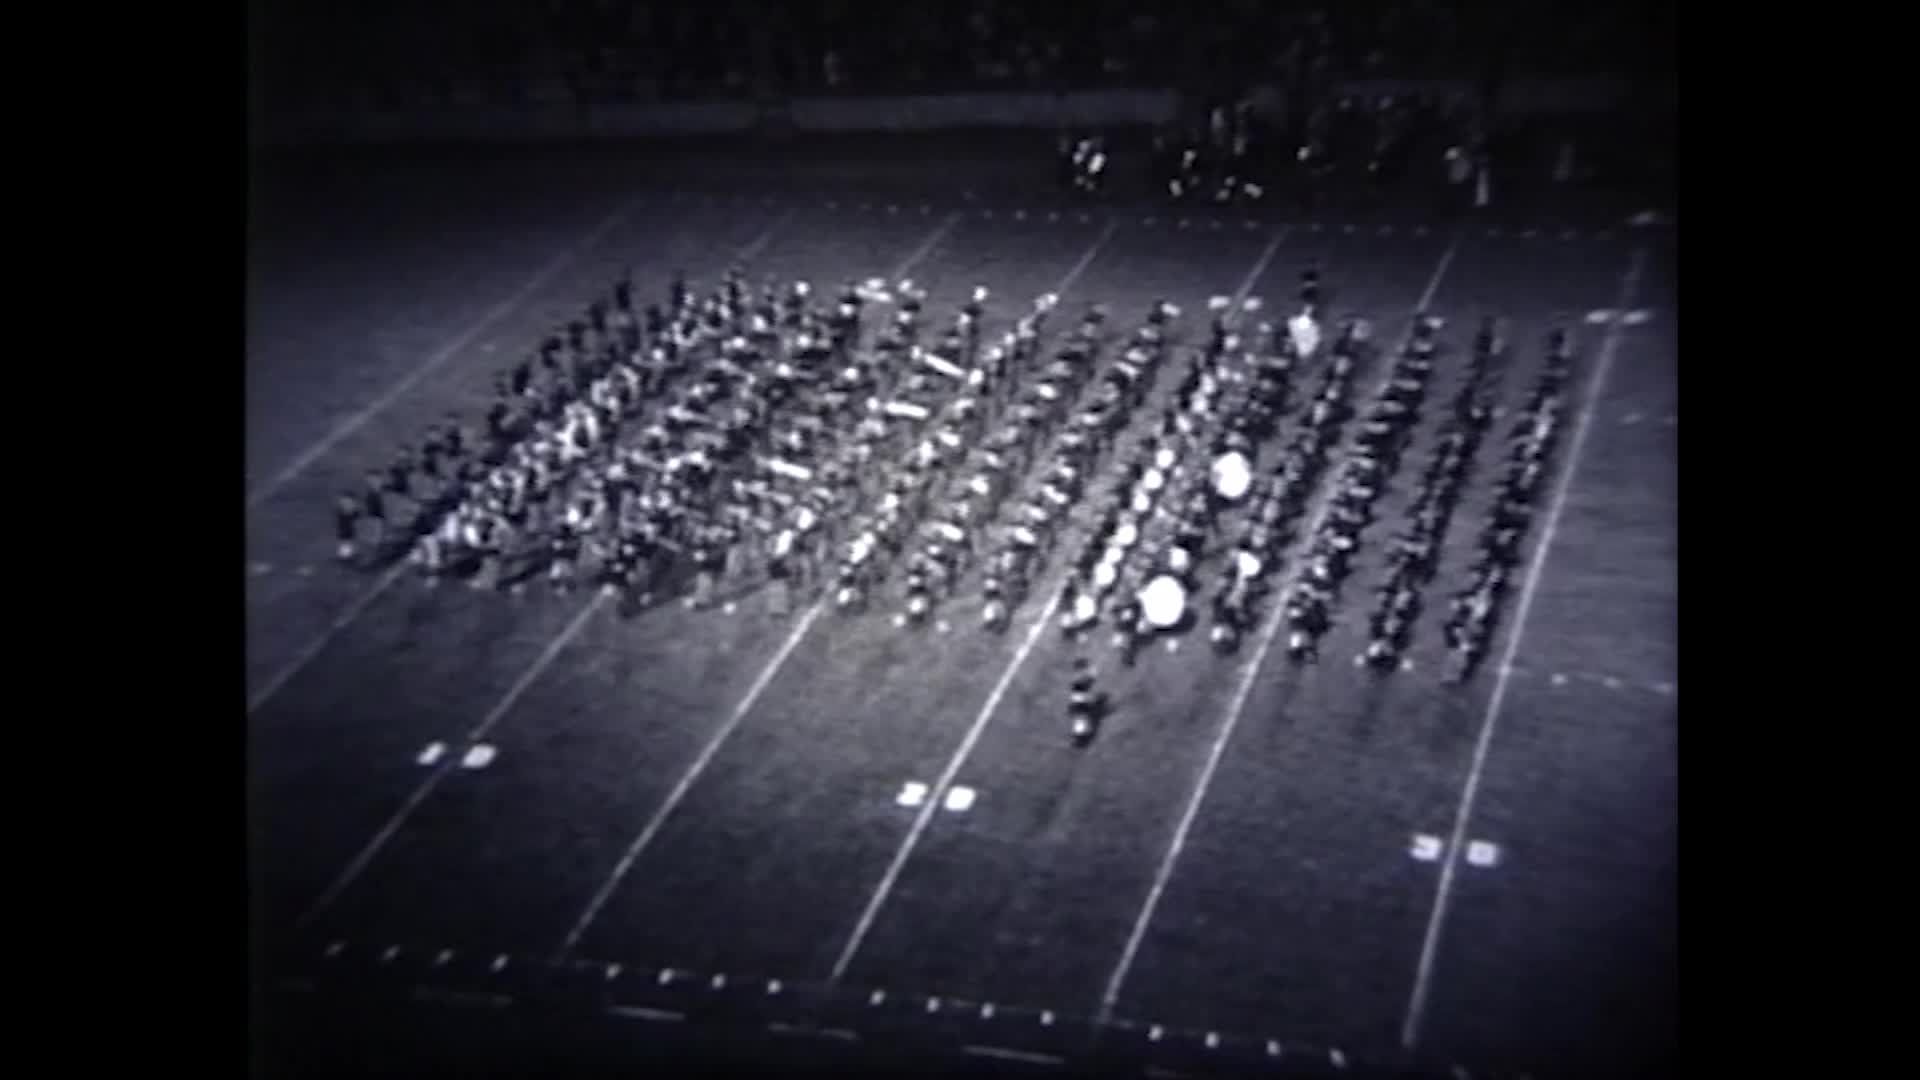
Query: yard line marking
x=760, y=683
x=639, y=1012
x=380, y=404
x=960, y=755
x=469, y=998
x=447, y=764
x=1026, y=1056
x=1111, y=997
x=687, y=779
x=1430, y=943
x=926, y=247
x=341, y=621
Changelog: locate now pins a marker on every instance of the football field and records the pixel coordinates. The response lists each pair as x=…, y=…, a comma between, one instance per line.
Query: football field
x=827, y=828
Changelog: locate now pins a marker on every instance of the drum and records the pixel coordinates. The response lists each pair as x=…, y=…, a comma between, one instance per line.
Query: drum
x=1163, y=602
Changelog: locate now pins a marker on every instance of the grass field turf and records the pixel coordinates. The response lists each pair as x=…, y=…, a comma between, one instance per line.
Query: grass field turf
x=1294, y=911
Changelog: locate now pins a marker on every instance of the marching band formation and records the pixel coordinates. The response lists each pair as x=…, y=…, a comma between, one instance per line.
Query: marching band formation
x=822, y=451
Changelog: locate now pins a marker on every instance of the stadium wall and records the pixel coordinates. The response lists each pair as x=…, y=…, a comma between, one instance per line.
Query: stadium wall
x=1108, y=109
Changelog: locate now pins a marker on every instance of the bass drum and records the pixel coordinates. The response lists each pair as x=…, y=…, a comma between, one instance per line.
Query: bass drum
x=1163, y=602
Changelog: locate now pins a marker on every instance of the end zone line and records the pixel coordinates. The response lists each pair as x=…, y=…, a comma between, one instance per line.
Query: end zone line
x=1110, y=998
x=707, y=753
x=340, y=622
x=937, y=793
x=1443, y=893
x=393, y=393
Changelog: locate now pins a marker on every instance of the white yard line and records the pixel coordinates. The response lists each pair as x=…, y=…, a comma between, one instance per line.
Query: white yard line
x=449, y=763
x=346, y=617
x=960, y=755
x=393, y=393
x=760, y=683
x=1110, y=998
x=1443, y=894
x=932, y=804
x=684, y=785
x=1025, y=1057
x=312, y=648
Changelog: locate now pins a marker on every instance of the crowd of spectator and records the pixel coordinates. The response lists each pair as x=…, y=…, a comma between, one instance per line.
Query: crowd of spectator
x=614, y=51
